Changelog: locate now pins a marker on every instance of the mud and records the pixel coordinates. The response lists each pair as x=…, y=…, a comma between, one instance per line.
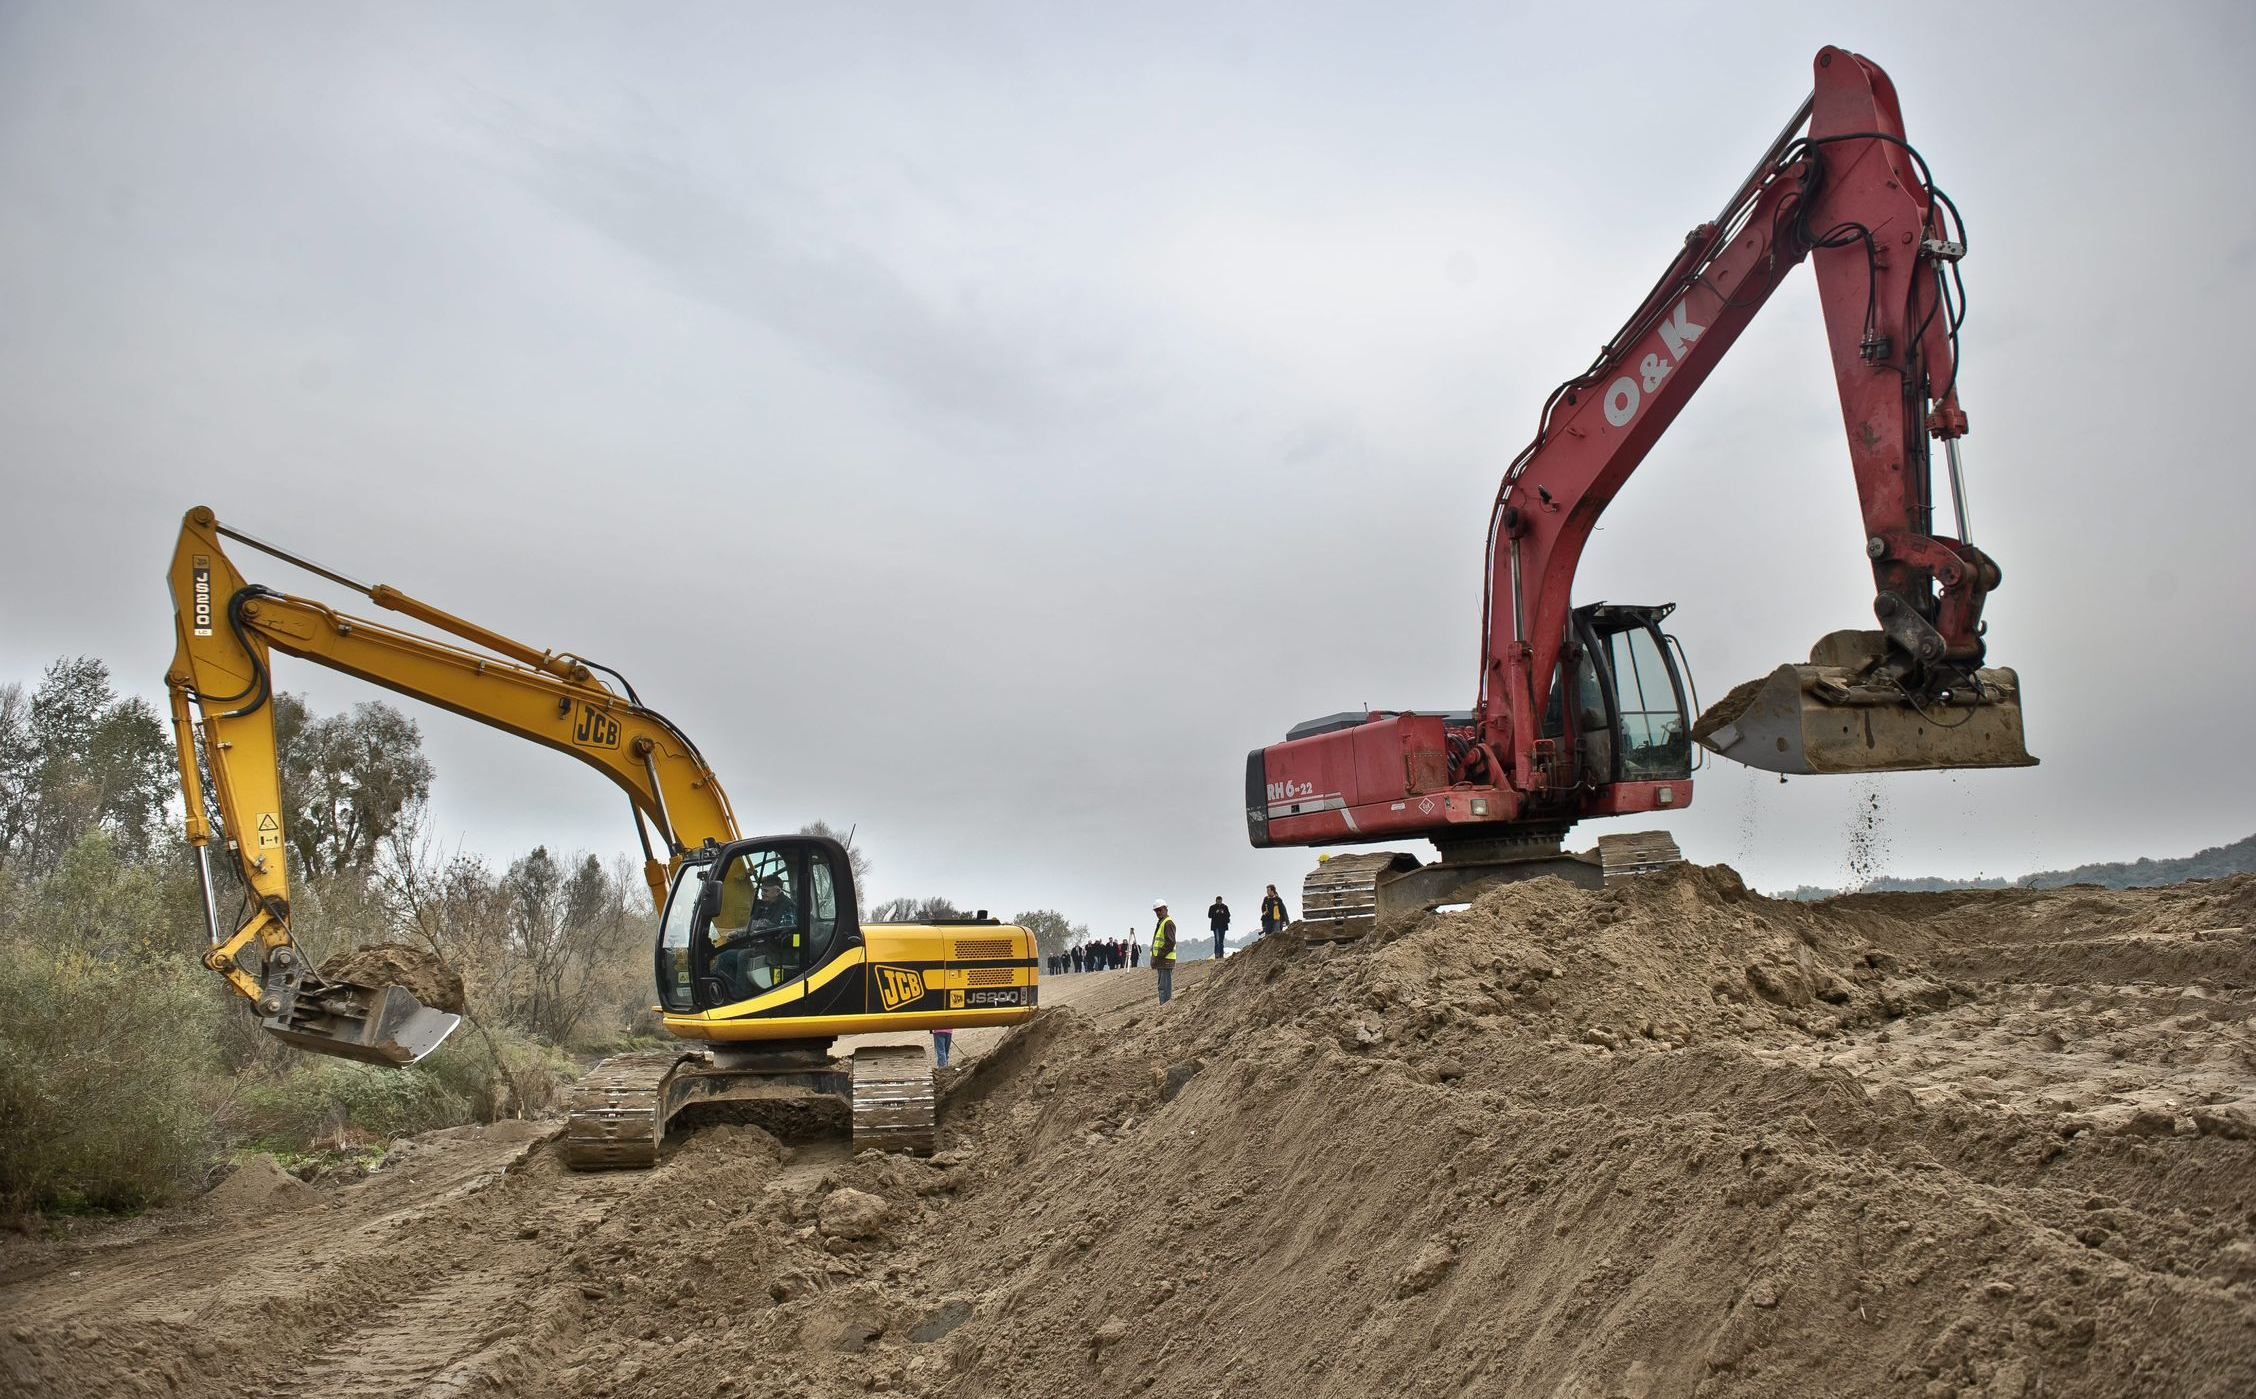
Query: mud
x=1669, y=1138
x=420, y=971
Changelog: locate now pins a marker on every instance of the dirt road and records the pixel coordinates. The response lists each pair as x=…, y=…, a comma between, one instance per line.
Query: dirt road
x=1667, y=1139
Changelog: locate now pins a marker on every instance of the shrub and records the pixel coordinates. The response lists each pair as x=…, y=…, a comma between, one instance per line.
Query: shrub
x=311, y=1102
x=100, y=1067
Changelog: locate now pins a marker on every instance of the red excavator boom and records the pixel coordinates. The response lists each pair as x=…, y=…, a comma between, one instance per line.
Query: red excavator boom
x=1582, y=710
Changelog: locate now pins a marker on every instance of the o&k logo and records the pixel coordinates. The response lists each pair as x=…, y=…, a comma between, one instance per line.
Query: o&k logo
x=897, y=986
x=1678, y=331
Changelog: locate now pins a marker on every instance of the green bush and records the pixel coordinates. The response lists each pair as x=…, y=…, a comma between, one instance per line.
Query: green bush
x=324, y=1102
x=321, y=1103
x=101, y=1067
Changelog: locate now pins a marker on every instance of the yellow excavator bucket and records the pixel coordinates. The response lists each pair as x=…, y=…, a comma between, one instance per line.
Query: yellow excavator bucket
x=1833, y=716
x=375, y=1024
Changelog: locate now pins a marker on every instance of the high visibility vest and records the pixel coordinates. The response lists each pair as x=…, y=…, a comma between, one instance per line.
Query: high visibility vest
x=1159, y=938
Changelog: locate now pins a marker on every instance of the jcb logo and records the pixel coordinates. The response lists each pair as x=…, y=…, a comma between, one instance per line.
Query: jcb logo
x=596, y=729
x=897, y=986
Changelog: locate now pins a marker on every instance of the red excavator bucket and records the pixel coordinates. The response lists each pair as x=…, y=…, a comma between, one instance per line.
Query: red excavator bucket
x=1834, y=715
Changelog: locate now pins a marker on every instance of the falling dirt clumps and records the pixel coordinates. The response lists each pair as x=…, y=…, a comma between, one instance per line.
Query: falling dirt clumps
x=422, y=972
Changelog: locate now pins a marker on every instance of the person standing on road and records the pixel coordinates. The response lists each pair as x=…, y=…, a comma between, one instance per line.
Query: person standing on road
x=1077, y=956
x=942, y=1042
x=1163, y=950
x=1218, y=919
x=1135, y=950
x=1272, y=912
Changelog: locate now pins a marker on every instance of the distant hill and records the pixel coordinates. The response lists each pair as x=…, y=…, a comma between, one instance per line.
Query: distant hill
x=2213, y=863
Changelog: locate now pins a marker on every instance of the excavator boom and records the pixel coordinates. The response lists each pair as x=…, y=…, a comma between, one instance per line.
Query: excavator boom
x=221, y=690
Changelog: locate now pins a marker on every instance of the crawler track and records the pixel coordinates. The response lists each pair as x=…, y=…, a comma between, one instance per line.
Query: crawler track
x=617, y=1117
x=893, y=1099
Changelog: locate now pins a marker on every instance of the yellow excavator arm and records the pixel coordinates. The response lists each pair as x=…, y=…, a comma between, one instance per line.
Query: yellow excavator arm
x=227, y=628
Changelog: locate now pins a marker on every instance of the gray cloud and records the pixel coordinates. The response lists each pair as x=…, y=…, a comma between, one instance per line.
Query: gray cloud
x=985, y=427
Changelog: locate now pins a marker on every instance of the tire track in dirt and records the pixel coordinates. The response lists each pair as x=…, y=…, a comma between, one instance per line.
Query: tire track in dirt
x=457, y=1334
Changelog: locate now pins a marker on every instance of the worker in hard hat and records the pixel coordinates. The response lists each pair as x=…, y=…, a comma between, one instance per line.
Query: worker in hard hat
x=1163, y=950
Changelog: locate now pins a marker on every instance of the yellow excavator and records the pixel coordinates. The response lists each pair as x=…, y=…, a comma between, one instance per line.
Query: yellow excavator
x=761, y=956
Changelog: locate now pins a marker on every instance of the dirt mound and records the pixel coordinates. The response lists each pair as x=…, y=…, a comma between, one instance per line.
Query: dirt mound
x=419, y=970
x=257, y=1186
x=1598, y=1143
x=1668, y=1138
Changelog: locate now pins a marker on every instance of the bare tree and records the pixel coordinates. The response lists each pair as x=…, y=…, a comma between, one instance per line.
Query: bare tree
x=931, y=910
x=348, y=780
x=75, y=757
x=854, y=856
x=435, y=901
x=1052, y=932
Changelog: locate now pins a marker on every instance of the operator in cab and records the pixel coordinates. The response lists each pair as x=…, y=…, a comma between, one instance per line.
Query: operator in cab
x=762, y=952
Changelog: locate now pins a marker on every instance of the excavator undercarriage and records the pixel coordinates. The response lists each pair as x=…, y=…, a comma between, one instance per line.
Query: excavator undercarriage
x=621, y=1111
x=1345, y=896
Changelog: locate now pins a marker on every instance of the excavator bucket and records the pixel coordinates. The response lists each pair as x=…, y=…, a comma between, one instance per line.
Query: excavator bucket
x=374, y=1024
x=1830, y=716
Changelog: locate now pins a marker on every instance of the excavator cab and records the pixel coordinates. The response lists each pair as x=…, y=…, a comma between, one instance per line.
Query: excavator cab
x=1630, y=719
x=752, y=916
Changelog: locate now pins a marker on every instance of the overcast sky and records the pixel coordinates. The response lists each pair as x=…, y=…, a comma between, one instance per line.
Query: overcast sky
x=982, y=425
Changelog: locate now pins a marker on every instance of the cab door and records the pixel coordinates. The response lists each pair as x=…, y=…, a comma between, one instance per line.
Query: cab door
x=1647, y=730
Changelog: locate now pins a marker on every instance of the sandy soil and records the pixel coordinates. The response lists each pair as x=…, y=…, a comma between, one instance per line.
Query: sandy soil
x=1666, y=1139
x=420, y=971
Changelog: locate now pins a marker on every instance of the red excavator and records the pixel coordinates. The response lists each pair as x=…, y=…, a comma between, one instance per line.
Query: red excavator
x=1582, y=710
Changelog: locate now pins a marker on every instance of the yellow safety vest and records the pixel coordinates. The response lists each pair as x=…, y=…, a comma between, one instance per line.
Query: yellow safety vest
x=1159, y=939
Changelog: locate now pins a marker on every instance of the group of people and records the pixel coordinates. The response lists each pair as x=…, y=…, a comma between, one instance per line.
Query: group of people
x=1113, y=954
x=1102, y=955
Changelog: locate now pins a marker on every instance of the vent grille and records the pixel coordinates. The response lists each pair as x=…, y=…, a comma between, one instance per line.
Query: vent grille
x=983, y=949
x=990, y=976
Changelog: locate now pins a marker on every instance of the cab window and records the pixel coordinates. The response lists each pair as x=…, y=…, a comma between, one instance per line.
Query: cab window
x=757, y=939
x=1653, y=742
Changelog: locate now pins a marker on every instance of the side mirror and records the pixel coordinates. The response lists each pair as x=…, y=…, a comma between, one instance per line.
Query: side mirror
x=708, y=899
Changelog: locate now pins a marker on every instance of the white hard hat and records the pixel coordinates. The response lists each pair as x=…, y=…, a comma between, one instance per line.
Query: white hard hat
x=1159, y=903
